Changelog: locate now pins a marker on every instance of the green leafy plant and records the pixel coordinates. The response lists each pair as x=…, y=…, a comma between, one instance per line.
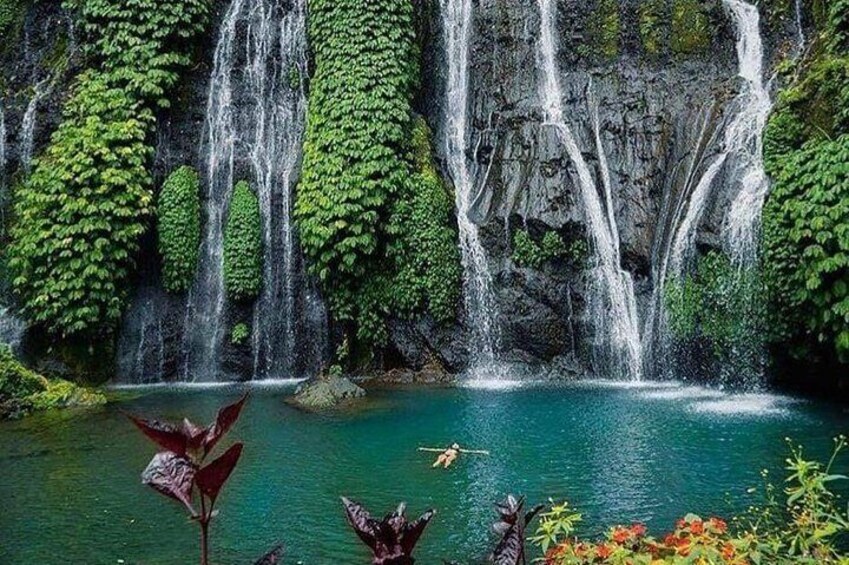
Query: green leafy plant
x=240, y=334
x=80, y=215
x=529, y=253
x=604, y=28
x=374, y=217
x=243, y=256
x=691, y=29
x=654, y=17
x=178, y=228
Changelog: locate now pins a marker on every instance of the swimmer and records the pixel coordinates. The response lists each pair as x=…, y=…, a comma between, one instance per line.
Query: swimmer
x=447, y=457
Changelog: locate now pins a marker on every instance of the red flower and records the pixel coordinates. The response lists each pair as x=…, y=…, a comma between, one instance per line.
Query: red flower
x=621, y=535
x=680, y=524
x=728, y=551
x=719, y=525
x=638, y=530
x=603, y=551
x=697, y=527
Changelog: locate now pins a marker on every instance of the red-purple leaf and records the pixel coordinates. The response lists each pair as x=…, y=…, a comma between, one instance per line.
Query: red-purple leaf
x=195, y=438
x=173, y=476
x=361, y=521
x=414, y=531
x=211, y=478
x=227, y=416
x=164, y=434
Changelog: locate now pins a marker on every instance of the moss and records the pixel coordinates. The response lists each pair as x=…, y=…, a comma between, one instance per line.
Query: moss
x=23, y=391
x=604, y=27
x=653, y=17
x=691, y=28
x=243, y=257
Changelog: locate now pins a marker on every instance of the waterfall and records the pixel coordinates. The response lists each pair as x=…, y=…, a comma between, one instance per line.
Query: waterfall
x=254, y=121
x=3, y=164
x=613, y=303
x=478, y=293
x=27, y=135
x=279, y=100
x=800, y=27
x=746, y=138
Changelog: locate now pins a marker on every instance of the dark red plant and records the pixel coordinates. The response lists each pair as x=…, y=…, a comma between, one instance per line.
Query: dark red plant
x=392, y=539
x=511, y=527
x=179, y=469
x=273, y=557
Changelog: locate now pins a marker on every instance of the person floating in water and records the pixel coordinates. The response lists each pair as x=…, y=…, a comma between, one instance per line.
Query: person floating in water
x=447, y=456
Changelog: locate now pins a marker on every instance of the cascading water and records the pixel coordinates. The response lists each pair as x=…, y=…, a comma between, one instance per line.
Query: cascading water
x=743, y=221
x=254, y=122
x=11, y=327
x=27, y=136
x=617, y=344
x=739, y=164
x=478, y=293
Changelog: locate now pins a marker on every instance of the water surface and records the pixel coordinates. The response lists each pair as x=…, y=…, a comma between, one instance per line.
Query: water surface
x=71, y=491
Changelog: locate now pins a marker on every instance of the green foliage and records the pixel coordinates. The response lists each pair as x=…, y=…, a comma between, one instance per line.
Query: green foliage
x=424, y=249
x=529, y=253
x=810, y=529
x=372, y=212
x=653, y=15
x=691, y=28
x=717, y=303
x=604, y=28
x=81, y=213
x=79, y=216
x=12, y=13
x=240, y=334
x=23, y=391
x=806, y=217
x=243, y=256
x=178, y=228
x=806, y=246
x=143, y=44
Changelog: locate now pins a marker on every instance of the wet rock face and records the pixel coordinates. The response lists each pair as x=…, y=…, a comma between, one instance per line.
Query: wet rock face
x=326, y=392
x=656, y=118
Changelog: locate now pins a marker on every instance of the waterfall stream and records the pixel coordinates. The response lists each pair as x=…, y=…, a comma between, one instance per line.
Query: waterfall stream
x=254, y=122
x=11, y=327
x=27, y=135
x=613, y=304
x=478, y=293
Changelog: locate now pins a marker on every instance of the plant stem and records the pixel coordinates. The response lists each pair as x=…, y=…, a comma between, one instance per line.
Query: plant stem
x=204, y=545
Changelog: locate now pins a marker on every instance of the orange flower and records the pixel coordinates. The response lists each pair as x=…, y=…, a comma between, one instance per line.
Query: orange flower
x=728, y=551
x=638, y=530
x=603, y=551
x=697, y=527
x=680, y=524
x=621, y=535
x=719, y=525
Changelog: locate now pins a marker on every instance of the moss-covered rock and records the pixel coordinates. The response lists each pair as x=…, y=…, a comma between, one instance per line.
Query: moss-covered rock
x=23, y=391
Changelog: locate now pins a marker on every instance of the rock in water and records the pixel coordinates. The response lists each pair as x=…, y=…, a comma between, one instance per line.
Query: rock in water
x=326, y=392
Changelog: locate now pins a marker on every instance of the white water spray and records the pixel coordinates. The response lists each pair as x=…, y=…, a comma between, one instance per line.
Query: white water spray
x=254, y=123
x=617, y=334
x=478, y=293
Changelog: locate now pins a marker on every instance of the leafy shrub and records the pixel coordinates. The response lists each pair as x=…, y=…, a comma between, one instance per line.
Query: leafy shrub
x=691, y=28
x=529, y=253
x=81, y=213
x=11, y=15
x=809, y=529
x=143, y=44
x=240, y=334
x=604, y=28
x=424, y=248
x=806, y=247
x=653, y=17
x=372, y=212
x=806, y=217
x=178, y=216
x=16, y=381
x=243, y=245
x=79, y=216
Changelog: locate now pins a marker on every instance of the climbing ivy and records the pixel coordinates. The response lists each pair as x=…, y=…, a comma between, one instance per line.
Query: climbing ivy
x=81, y=213
x=691, y=28
x=806, y=217
x=243, y=257
x=653, y=15
x=79, y=216
x=529, y=253
x=11, y=17
x=178, y=228
x=604, y=27
x=423, y=247
x=373, y=220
